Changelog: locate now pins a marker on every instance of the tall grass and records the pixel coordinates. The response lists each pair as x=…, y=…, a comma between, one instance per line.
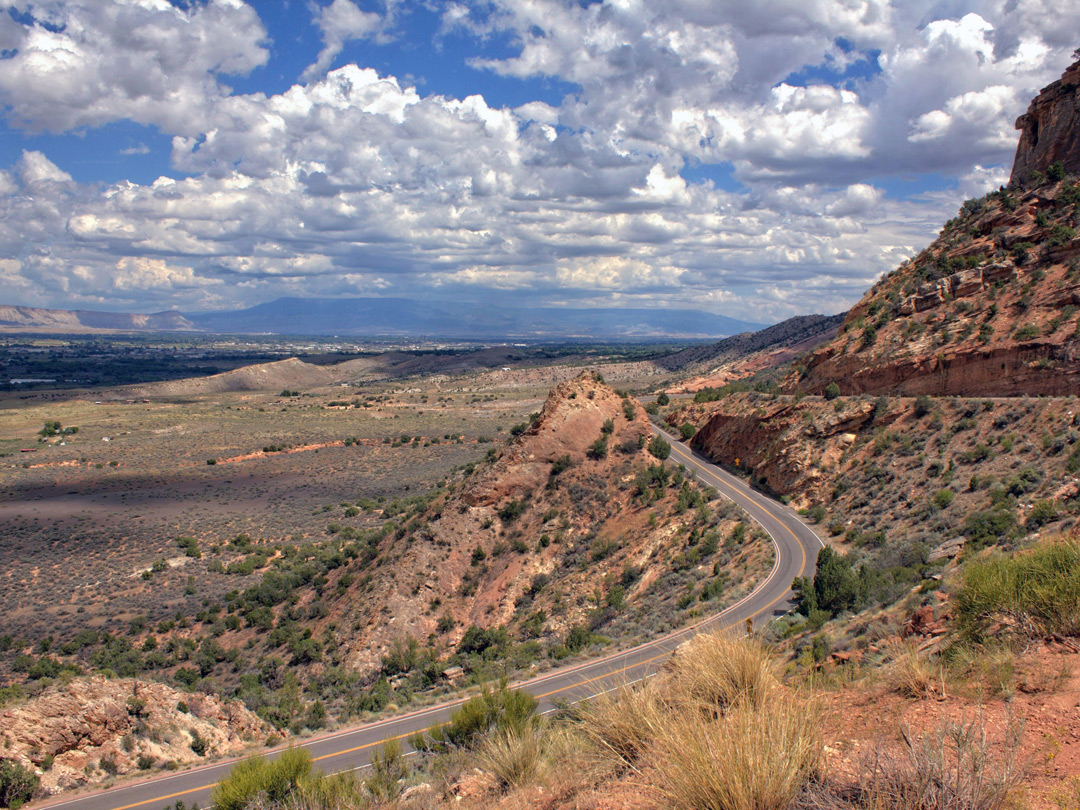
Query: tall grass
x=753, y=757
x=1036, y=592
x=621, y=724
x=910, y=674
x=716, y=731
x=721, y=669
x=517, y=756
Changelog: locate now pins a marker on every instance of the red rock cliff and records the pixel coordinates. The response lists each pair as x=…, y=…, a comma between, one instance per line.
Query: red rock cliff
x=1050, y=129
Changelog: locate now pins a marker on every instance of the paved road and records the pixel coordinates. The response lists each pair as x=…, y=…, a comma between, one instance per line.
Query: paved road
x=796, y=547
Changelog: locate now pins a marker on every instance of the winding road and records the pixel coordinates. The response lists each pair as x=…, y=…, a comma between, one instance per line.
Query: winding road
x=796, y=552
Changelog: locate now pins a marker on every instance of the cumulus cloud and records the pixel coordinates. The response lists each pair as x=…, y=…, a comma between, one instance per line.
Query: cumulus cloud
x=340, y=22
x=354, y=182
x=90, y=62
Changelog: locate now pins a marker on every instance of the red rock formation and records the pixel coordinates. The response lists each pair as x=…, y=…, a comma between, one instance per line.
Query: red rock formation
x=989, y=309
x=1050, y=129
x=90, y=720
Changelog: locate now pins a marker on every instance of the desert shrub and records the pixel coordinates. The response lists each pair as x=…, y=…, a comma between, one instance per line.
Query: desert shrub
x=598, y=449
x=832, y=391
x=989, y=526
x=923, y=405
x=1043, y=512
x=659, y=448
x=479, y=639
x=869, y=336
x=561, y=465
x=494, y=709
x=388, y=770
x=512, y=510
x=687, y=431
x=200, y=745
x=663, y=399
x=943, y=497
x=1036, y=591
x=17, y=784
x=836, y=585
x=952, y=767
x=273, y=780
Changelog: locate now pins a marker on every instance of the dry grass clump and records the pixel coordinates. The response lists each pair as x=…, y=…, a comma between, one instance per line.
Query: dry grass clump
x=953, y=768
x=717, y=730
x=911, y=674
x=620, y=725
x=517, y=757
x=753, y=757
x=720, y=669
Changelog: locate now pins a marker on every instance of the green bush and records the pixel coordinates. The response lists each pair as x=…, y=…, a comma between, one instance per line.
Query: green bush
x=943, y=497
x=17, y=784
x=659, y=448
x=274, y=780
x=832, y=391
x=1036, y=592
x=598, y=449
x=687, y=431
x=500, y=708
x=1041, y=513
x=989, y=527
x=836, y=585
x=663, y=399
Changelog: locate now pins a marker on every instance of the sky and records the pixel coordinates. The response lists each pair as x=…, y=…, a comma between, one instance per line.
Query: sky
x=753, y=159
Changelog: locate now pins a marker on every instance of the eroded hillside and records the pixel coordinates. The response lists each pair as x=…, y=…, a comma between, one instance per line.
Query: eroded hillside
x=574, y=528
x=990, y=307
x=904, y=483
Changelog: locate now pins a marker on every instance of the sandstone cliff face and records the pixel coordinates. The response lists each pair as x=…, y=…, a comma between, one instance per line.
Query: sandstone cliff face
x=990, y=308
x=788, y=445
x=94, y=726
x=1050, y=129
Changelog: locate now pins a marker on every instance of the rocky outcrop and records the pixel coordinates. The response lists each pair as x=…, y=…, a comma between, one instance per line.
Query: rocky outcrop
x=989, y=309
x=90, y=729
x=1050, y=129
x=459, y=555
x=787, y=447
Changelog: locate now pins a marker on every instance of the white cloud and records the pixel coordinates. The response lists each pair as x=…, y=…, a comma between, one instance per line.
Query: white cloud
x=90, y=62
x=340, y=22
x=356, y=182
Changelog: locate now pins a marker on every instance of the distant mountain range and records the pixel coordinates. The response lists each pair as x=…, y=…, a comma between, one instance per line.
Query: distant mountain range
x=394, y=317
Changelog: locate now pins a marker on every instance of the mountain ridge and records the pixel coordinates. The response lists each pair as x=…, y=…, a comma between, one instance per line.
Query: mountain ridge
x=394, y=317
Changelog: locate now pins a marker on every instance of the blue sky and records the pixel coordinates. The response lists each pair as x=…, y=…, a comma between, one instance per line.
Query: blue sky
x=758, y=160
